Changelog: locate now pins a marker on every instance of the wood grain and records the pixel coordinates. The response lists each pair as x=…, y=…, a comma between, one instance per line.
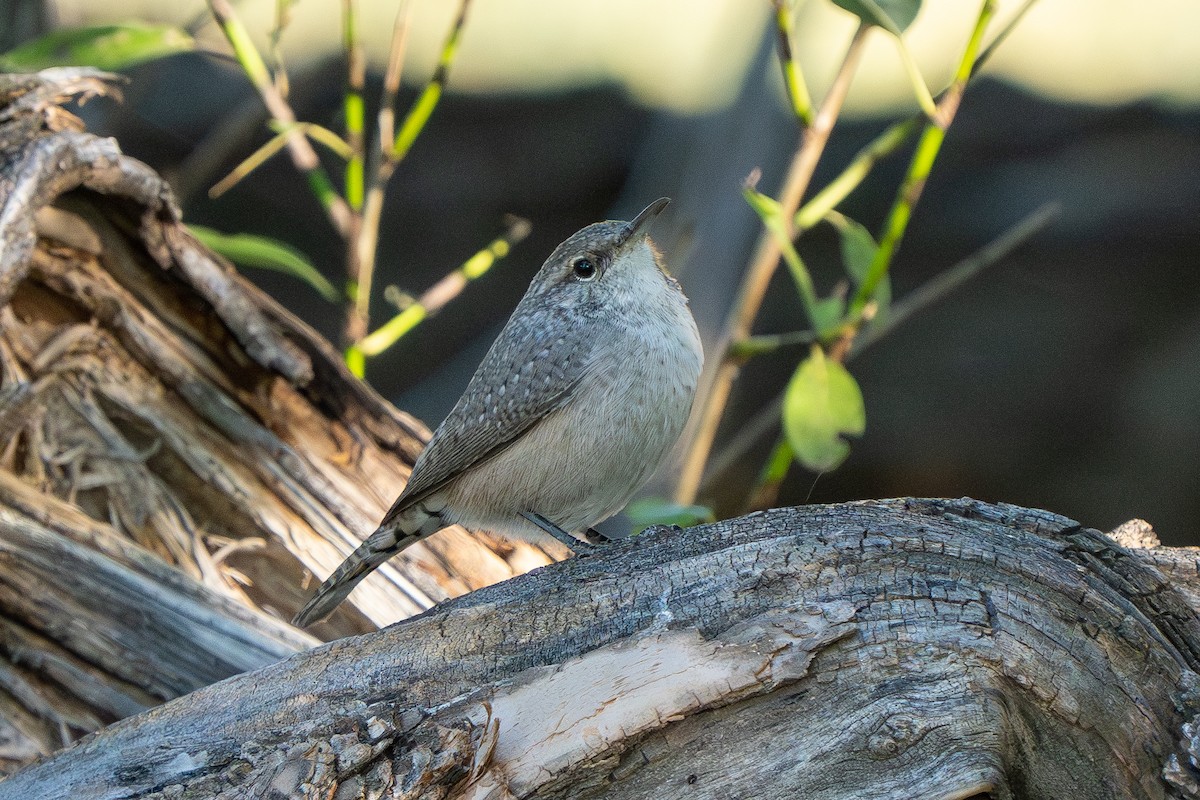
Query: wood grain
x=181, y=459
x=891, y=649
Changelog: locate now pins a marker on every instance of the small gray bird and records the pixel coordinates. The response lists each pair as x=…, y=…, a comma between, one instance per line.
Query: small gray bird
x=579, y=400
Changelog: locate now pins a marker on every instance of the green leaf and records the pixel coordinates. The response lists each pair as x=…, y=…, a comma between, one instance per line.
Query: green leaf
x=891, y=15
x=768, y=208
x=248, y=250
x=770, y=211
x=827, y=314
x=858, y=246
x=894, y=16
x=858, y=251
x=107, y=47
x=657, y=511
x=822, y=403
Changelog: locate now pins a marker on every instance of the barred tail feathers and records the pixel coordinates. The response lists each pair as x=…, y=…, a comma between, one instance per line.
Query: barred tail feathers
x=376, y=549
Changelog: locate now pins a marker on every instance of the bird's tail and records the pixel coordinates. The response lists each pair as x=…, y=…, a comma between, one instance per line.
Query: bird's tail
x=378, y=548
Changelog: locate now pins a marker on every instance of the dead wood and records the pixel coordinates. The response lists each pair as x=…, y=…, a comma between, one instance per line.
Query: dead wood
x=899, y=649
x=179, y=455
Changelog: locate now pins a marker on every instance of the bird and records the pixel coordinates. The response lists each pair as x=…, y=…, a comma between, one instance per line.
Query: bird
x=579, y=400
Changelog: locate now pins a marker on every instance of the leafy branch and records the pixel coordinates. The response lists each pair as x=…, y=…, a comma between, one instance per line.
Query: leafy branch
x=762, y=266
x=302, y=154
x=823, y=403
x=355, y=212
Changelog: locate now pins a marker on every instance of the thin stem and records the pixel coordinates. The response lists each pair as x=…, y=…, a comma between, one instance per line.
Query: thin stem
x=775, y=221
x=762, y=267
x=283, y=9
x=821, y=205
x=840, y=187
x=767, y=419
x=442, y=292
x=793, y=77
x=886, y=143
x=929, y=293
x=274, y=145
x=414, y=123
x=1008, y=28
x=302, y=153
x=946, y=282
x=381, y=168
x=766, y=343
x=766, y=489
x=919, y=87
x=926, y=153
x=391, y=77
x=804, y=283
x=352, y=104
x=352, y=107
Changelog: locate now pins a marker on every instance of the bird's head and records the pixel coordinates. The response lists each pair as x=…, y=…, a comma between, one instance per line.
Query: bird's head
x=605, y=263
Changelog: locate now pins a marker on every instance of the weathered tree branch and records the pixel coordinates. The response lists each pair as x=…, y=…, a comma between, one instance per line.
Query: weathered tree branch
x=889, y=649
x=178, y=454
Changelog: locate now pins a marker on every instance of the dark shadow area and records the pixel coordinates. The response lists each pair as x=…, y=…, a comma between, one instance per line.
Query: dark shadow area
x=1066, y=377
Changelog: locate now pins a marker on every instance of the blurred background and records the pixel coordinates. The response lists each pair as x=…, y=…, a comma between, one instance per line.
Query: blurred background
x=1065, y=377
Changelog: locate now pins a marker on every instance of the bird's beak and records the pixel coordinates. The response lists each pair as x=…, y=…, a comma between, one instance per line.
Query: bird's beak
x=640, y=226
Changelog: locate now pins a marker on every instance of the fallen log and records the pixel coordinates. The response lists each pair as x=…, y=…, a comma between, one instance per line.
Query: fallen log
x=180, y=457
x=890, y=649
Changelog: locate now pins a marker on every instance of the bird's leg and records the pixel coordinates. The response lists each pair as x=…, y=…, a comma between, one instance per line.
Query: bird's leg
x=577, y=545
x=595, y=537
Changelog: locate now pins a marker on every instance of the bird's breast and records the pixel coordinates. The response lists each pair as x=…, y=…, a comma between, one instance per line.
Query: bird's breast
x=583, y=462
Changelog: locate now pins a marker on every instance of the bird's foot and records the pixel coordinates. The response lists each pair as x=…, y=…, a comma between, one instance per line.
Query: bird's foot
x=591, y=543
x=595, y=537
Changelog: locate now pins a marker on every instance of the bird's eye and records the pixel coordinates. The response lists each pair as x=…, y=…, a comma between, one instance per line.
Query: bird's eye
x=584, y=269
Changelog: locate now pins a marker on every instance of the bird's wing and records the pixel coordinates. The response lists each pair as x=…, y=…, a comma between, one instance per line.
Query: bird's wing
x=530, y=371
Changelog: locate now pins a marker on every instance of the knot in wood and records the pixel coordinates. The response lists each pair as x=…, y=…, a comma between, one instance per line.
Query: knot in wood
x=896, y=733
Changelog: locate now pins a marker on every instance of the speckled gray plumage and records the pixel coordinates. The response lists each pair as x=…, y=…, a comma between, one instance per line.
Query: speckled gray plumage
x=529, y=371
x=576, y=403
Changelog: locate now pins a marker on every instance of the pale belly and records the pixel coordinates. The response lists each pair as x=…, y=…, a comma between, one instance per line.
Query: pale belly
x=583, y=463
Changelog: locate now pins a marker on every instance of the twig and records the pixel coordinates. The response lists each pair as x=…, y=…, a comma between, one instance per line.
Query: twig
x=840, y=187
x=920, y=299
x=302, y=153
x=1008, y=28
x=389, y=154
x=753, y=346
x=886, y=143
x=762, y=267
x=391, y=77
x=442, y=292
x=766, y=489
x=274, y=145
x=718, y=394
x=379, y=170
x=352, y=105
x=414, y=123
x=776, y=222
x=919, y=87
x=283, y=18
x=793, y=77
x=926, y=153
x=946, y=282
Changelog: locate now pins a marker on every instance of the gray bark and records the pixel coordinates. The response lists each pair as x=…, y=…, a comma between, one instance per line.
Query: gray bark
x=177, y=452
x=892, y=649
x=179, y=456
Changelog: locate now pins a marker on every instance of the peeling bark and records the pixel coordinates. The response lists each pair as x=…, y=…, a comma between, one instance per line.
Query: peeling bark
x=179, y=455
x=890, y=649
